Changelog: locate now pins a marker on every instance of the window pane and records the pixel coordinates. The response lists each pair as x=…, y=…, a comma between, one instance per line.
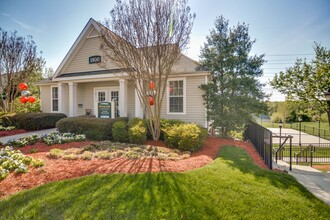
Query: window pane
x=115, y=97
x=176, y=104
x=55, y=104
x=55, y=92
x=176, y=96
x=101, y=96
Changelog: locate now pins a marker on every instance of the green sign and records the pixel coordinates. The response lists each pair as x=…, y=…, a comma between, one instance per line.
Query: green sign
x=104, y=110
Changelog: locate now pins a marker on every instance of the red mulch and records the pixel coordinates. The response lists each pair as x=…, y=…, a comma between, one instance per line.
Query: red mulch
x=12, y=132
x=323, y=167
x=59, y=169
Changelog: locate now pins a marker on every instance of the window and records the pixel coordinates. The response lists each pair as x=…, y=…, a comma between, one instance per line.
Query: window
x=55, y=99
x=115, y=97
x=176, y=96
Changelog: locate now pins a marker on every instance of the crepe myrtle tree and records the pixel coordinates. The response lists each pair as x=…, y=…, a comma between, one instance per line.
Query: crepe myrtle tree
x=19, y=62
x=146, y=38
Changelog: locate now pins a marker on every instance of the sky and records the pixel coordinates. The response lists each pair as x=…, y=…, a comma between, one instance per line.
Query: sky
x=284, y=29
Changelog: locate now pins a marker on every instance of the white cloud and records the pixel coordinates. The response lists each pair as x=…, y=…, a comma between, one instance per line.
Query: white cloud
x=21, y=24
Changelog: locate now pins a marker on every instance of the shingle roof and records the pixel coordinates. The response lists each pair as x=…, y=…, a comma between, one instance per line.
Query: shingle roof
x=89, y=73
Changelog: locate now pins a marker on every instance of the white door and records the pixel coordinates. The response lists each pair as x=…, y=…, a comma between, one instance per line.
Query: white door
x=106, y=95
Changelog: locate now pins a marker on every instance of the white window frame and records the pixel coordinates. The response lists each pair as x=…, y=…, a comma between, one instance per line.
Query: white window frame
x=184, y=96
x=58, y=99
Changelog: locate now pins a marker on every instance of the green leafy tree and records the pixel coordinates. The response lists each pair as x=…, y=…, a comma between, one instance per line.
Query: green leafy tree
x=233, y=93
x=307, y=81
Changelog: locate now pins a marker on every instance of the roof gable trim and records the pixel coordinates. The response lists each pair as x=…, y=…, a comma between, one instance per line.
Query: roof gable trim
x=83, y=33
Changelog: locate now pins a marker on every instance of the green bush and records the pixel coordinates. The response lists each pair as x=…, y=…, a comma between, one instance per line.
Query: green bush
x=6, y=119
x=137, y=131
x=32, y=121
x=186, y=137
x=93, y=128
x=166, y=124
x=119, y=131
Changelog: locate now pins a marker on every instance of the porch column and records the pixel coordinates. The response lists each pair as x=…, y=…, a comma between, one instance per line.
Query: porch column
x=122, y=105
x=72, y=99
x=61, y=98
x=138, y=105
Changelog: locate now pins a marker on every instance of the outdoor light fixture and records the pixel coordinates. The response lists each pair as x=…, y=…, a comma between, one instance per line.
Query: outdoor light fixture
x=280, y=125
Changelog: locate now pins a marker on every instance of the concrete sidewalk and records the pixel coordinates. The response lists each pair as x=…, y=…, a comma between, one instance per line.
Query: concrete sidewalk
x=317, y=182
x=305, y=138
x=4, y=140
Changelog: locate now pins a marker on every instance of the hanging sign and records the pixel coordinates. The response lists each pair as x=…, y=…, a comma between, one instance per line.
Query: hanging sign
x=94, y=59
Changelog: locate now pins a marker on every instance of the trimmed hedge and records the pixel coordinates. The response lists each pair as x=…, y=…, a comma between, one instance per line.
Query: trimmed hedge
x=93, y=128
x=137, y=131
x=186, y=137
x=119, y=131
x=32, y=121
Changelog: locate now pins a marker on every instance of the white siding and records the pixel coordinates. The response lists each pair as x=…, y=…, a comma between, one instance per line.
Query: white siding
x=85, y=94
x=131, y=100
x=78, y=62
x=45, y=98
x=195, y=109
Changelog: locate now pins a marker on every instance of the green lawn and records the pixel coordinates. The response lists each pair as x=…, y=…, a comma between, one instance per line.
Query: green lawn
x=231, y=187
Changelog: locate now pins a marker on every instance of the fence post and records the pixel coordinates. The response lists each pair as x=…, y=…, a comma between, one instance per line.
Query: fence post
x=290, y=153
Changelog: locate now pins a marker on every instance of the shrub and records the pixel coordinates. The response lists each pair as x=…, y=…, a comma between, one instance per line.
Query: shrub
x=105, y=155
x=7, y=119
x=119, y=131
x=187, y=137
x=167, y=124
x=87, y=155
x=37, y=163
x=55, y=153
x=93, y=128
x=137, y=131
x=32, y=121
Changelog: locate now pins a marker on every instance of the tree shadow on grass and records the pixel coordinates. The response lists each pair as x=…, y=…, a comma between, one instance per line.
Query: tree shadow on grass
x=237, y=158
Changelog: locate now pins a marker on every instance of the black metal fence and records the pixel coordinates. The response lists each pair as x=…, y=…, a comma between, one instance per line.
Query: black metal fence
x=322, y=133
x=261, y=138
x=307, y=153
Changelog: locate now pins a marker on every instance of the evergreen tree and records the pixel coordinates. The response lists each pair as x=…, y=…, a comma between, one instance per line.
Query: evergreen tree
x=233, y=93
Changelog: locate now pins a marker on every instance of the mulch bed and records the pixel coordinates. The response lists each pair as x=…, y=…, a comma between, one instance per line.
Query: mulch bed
x=12, y=132
x=60, y=169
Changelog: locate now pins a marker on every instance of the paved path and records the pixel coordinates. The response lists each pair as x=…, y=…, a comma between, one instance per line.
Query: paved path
x=315, y=181
x=39, y=133
x=305, y=138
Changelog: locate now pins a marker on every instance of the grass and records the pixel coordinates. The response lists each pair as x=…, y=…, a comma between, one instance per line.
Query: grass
x=231, y=187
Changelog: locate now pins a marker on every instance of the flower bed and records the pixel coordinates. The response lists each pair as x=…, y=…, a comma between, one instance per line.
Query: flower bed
x=50, y=139
x=14, y=160
x=110, y=150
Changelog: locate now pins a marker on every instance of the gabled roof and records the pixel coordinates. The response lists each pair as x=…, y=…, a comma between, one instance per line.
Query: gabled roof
x=94, y=25
x=90, y=23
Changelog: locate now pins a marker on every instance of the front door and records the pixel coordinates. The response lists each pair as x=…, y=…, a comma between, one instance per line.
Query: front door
x=106, y=95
